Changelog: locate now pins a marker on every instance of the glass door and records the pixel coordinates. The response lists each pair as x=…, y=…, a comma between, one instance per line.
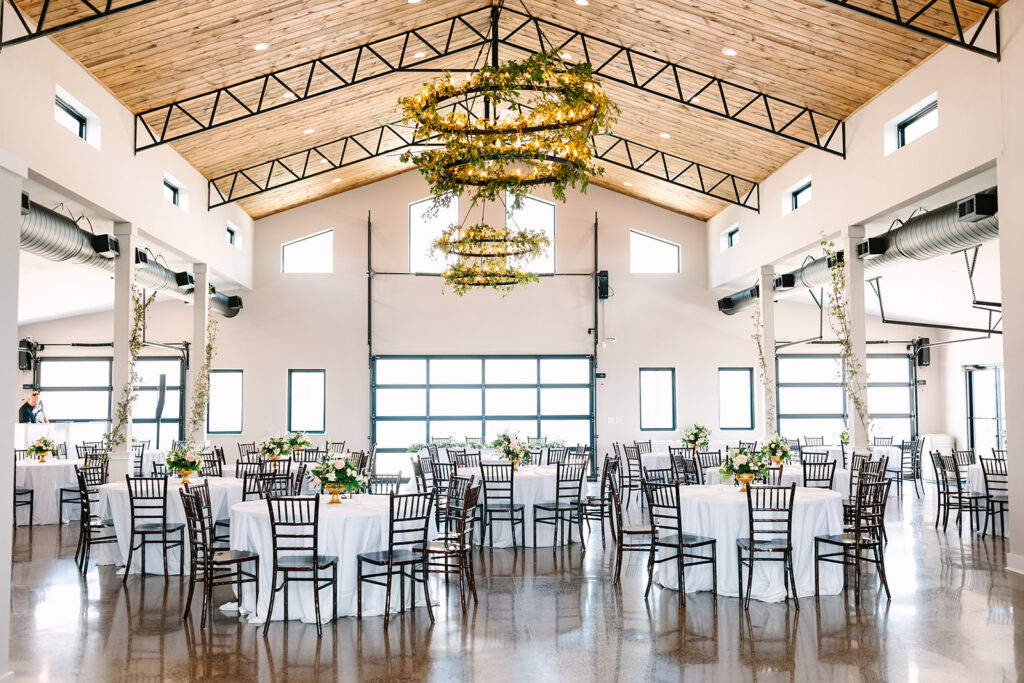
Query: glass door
x=985, y=409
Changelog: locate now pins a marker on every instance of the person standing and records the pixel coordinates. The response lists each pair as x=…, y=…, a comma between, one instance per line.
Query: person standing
x=32, y=409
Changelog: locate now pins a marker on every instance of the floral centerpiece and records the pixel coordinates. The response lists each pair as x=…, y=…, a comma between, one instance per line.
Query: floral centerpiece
x=777, y=450
x=844, y=437
x=41, y=448
x=298, y=440
x=274, y=447
x=697, y=437
x=337, y=475
x=508, y=447
x=184, y=461
x=743, y=466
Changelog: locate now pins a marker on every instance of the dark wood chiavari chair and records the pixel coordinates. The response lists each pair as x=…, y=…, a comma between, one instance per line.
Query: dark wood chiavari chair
x=160, y=470
x=632, y=474
x=958, y=495
x=999, y=453
x=453, y=552
x=362, y=460
x=794, y=446
x=679, y=451
x=819, y=475
x=426, y=473
x=599, y=507
x=866, y=535
x=440, y=440
x=814, y=441
x=92, y=464
x=23, y=497
x=964, y=458
x=626, y=533
x=706, y=460
x=295, y=529
x=309, y=454
x=221, y=527
x=997, y=493
x=298, y=478
x=273, y=485
x=211, y=467
x=407, y=536
x=882, y=441
x=384, y=484
x=659, y=475
x=147, y=497
x=643, y=447
x=210, y=565
x=857, y=460
x=138, y=452
x=499, y=503
x=176, y=444
x=371, y=460
x=466, y=459
x=771, y=477
x=538, y=441
x=453, y=452
x=247, y=450
x=770, y=515
x=666, y=519
x=92, y=529
x=814, y=456
x=432, y=453
x=218, y=452
x=279, y=466
x=909, y=468
x=565, y=508
x=475, y=441
x=20, y=454
x=335, y=447
x=249, y=473
x=686, y=471
x=443, y=473
x=749, y=446
x=556, y=456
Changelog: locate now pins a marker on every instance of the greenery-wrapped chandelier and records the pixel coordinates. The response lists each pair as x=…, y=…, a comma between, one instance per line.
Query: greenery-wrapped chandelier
x=544, y=114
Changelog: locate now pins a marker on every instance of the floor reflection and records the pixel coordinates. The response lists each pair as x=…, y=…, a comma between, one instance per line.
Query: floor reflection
x=541, y=614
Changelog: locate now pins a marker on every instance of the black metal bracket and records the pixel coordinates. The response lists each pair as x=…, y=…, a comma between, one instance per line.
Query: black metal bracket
x=284, y=87
x=682, y=84
x=923, y=17
x=987, y=331
x=79, y=12
x=971, y=261
x=819, y=301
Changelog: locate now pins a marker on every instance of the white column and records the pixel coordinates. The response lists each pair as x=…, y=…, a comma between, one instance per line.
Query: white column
x=12, y=172
x=200, y=319
x=124, y=284
x=852, y=236
x=1010, y=171
x=767, y=304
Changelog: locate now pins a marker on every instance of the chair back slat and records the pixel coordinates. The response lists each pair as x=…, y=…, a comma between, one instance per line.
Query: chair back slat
x=814, y=456
x=814, y=441
x=409, y=520
x=147, y=497
x=498, y=483
x=994, y=471
x=644, y=447
x=556, y=456
x=770, y=512
x=819, y=474
x=663, y=507
x=569, y=481
x=384, y=484
x=659, y=476
x=294, y=525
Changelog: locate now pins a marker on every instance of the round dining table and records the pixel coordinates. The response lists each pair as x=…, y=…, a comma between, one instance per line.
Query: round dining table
x=357, y=525
x=720, y=512
x=531, y=484
x=114, y=503
x=46, y=479
x=791, y=474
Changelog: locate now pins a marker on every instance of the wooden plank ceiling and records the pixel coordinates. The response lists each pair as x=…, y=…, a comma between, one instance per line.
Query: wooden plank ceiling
x=808, y=52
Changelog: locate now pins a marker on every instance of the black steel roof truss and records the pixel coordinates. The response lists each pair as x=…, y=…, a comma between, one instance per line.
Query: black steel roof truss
x=37, y=28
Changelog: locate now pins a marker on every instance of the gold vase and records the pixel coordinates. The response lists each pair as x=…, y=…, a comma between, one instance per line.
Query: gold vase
x=42, y=456
x=744, y=479
x=334, y=490
x=185, y=474
x=776, y=459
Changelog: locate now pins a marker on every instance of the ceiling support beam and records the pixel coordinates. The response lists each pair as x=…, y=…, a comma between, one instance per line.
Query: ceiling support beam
x=393, y=138
x=682, y=84
x=80, y=12
x=320, y=76
x=922, y=19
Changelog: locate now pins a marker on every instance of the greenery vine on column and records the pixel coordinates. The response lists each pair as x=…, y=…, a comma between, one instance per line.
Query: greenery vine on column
x=201, y=390
x=122, y=410
x=839, y=320
x=766, y=382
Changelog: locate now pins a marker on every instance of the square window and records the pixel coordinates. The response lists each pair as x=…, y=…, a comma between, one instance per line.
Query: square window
x=310, y=254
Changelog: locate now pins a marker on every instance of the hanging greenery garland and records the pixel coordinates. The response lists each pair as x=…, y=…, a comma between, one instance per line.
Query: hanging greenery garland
x=483, y=241
x=122, y=411
x=545, y=140
x=201, y=391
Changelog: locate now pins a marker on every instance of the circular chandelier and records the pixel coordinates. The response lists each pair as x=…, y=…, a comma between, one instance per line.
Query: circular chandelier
x=539, y=117
x=489, y=257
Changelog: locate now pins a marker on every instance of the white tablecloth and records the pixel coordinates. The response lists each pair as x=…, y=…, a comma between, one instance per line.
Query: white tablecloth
x=355, y=526
x=976, y=478
x=150, y=457
x=661, y=446
x=46, y=479
x=721, y=512
x=894, y=453
x=115, y=504
x=531, y=484
x=791, y=474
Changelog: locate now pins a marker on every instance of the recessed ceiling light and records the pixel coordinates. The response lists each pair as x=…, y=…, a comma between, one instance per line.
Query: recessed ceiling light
x=695, y=100
x=566, y=55
x=261, y=46
x=729, y=52
x=336, y=180
x=628, y=184
x=418, y=55
x=308, y=131
x=323, y=161
x=413, y=2
x=582, y=3
x=665, y=135
x=288, y=95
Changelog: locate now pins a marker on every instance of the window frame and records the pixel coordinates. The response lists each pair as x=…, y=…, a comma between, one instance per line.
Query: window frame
x=794, y=195
x=231, y=234
x=732, y=237
x=999, y=387
x=678, y=248
x=303, y=239
x=288, y=398
x=901, y=126
x=241, y=401
x=454, y=199
x=78, y=116
x=640, y=400
x=753, y=422
x=175, y=197
x=180, y=421
x=554, y=229
x=109, y=388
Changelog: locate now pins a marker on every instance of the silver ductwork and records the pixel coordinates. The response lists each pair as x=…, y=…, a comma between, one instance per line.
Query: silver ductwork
x=55, y=237
x=948, y=229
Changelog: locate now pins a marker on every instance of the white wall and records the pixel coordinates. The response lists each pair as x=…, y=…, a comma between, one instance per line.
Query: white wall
x=111, y=180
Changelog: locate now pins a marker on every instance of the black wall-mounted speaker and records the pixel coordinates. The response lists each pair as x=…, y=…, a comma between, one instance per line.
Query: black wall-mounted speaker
x=24, y=354
x=602, y=284
x=924, y=355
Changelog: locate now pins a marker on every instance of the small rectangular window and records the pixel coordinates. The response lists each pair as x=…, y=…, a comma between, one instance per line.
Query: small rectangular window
x=310, y=254
x=657, y=399
x=801, y=196
x=69, y=117
x=648, y=254
x=735, y=398
x=171, y=193
x=224, y=409
x=230, y=234
x=917, y=124
x=733, y=237
x=307, y=401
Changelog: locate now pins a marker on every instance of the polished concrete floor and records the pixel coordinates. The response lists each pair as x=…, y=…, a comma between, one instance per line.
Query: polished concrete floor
x=543, y=615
